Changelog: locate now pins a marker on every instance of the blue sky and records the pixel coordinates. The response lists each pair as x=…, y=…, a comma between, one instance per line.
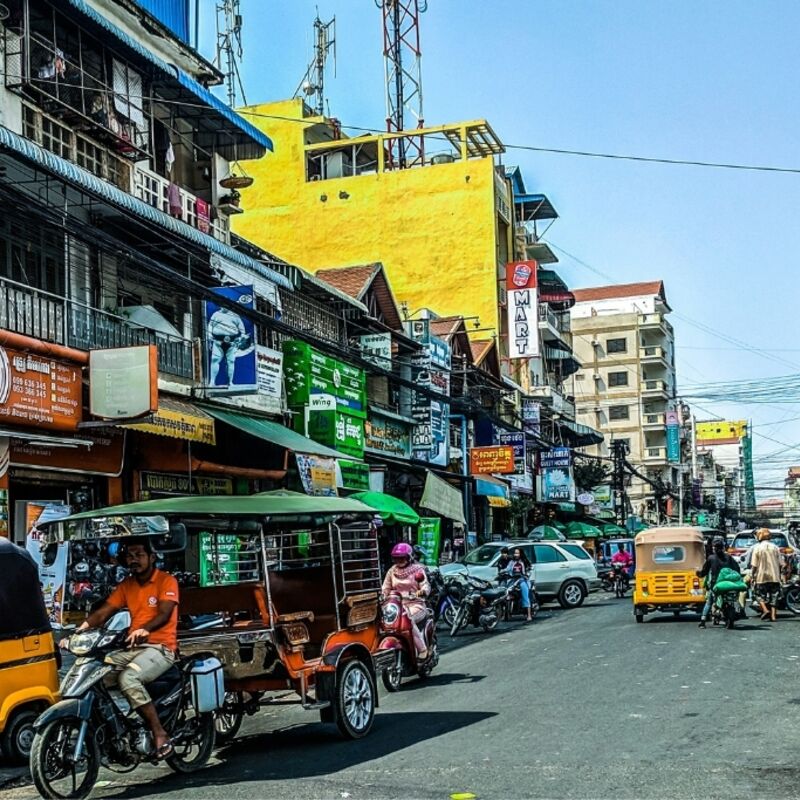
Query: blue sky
x=711, y=81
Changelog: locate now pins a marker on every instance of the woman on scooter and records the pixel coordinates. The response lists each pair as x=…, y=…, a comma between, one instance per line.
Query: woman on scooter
x=402, y=577
x=520, y=567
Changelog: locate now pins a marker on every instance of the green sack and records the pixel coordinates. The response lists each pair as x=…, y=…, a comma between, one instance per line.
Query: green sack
x=730, y=586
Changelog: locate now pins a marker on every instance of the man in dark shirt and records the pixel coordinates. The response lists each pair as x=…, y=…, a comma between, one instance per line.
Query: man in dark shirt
x=714, y=563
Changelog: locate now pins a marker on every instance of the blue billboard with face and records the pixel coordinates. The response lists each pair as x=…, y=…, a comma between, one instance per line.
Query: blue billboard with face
x=230, y=343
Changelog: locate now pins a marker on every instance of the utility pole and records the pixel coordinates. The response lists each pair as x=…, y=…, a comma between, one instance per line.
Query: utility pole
x=618, y=453
x=694, y=448
x=680, y=494
x=402, y=59
x=313, y=83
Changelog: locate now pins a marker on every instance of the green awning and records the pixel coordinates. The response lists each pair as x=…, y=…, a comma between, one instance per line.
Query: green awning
x=274, y=433
x=391, y=510
x=582, y=530
x=610, y=529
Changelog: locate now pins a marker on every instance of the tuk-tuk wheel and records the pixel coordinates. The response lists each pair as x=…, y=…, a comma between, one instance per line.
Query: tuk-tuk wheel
x=640, y=617
x=17, y=738
x=354, y=699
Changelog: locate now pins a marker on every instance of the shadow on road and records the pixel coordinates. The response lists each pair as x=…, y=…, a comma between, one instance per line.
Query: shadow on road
x=306, y=751
x=439, y=679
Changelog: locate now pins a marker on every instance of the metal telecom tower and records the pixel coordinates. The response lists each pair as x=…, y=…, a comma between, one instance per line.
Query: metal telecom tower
x=313, y=82
x=402, y=60
x=229, y=47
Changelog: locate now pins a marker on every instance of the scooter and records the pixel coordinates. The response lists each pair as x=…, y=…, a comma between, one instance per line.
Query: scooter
x=397, y=635
x=483, y=605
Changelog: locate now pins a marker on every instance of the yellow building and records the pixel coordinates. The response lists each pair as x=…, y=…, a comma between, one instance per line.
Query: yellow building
x=442, y=225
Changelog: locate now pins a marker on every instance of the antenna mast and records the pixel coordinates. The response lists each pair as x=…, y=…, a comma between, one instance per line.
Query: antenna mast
x=402, y=59
x=313, y=83
x=229, y=47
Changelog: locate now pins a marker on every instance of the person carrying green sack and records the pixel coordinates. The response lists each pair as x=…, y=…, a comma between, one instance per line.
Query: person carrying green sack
x=718, y=560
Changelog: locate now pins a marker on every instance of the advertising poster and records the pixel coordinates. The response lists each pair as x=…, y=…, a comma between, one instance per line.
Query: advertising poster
x=52, y=576
x=230, y=343
x=219, y=559
x=377, y=348
x=429, y=536
x=557, y=484
x=317, y=474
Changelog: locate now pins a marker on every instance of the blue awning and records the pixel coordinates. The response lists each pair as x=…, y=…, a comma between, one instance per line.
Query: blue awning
x=222, y=130
x=91, y=184
x=487, y=486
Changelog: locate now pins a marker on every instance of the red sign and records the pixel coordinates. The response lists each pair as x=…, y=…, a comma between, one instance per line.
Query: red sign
x=521, y=275
x=488, y=460
x=104, y=457
x=39, y=392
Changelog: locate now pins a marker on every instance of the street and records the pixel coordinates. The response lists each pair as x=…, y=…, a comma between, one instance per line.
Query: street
x=580, y=704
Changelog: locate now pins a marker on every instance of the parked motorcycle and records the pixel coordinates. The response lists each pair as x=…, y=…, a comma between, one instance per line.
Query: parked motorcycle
x=446, y=595
x=397, y=633
x=483, y=605
x=94, y=724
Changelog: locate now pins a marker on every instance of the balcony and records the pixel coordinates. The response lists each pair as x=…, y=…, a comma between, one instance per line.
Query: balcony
x=653, y=355
x=655, y=455
x=552, y=325
x=654, y=389
x=56, y=319
x=154, y=190
x=654, y=421
x=550, y=396
x=652, y=322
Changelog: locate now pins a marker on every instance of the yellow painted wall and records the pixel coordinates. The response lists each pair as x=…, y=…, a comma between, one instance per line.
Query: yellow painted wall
x=432, y=227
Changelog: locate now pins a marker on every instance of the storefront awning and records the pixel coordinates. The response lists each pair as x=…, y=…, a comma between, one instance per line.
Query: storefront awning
x=442, y=498
x=489, y=486
x=274, y=433
x=178, y=419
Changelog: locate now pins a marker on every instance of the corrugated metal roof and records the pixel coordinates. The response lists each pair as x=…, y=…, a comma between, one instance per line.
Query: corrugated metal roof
x=99, y=188
x=187, y=82
x=172, y=13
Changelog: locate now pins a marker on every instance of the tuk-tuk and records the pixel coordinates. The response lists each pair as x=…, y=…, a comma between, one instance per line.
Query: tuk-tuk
x=666, y=562
x=610, y=546
x=281, y=587
x=28, y=665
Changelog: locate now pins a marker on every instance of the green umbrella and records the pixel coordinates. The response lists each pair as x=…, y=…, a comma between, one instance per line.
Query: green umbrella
x=582, y=530
x=392, y=510
x=558, y=524
x=546, y=532
x=610, y=529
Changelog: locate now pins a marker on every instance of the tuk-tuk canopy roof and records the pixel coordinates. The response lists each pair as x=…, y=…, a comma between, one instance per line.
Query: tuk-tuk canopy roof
x=22, y=610
x=265, y=504
x=669, y=536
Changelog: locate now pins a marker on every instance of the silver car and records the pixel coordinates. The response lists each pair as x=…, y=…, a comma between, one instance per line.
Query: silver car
x=559, y=571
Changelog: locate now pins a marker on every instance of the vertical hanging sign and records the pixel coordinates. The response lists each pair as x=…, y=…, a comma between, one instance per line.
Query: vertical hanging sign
x=673, y=438
x=522, y=306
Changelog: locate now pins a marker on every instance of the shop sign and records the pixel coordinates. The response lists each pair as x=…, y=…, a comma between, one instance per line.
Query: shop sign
x=522, y=484
x=377, y=349
x=230, y=343
x=317, y=474
x=532, y=416
x=523, y=309
x=123, y=382
x=269, y=378
x=179, y=421
x=429, y=438
x=352, y=475
x=497, y=459
x=556, y=458
x=673, y=437
x=104, y=457
x=516, y=440
x=602, y=497
x=180, y=484
x=309, y=372
x=438, y=351
x=429, y=537
x=585, y=499
x=557, y=483
x=39, y=392
x=442, y=498
x=342, y=432
x=386, y=436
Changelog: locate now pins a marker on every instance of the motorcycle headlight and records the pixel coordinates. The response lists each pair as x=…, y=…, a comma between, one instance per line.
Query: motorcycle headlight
x=391, y=611
x=82, y=643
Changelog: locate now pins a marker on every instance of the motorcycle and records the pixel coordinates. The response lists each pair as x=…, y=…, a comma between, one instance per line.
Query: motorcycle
x=620, y=580
x=93, y=724
x=397, y=633
x=726, y=609
x=446, y=594
x=483, y=605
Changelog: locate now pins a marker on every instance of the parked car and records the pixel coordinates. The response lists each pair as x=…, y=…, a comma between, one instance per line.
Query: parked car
x=744, y=540
x=566, y=575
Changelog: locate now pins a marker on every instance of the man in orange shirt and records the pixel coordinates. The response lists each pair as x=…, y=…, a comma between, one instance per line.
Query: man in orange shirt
x=151, y=597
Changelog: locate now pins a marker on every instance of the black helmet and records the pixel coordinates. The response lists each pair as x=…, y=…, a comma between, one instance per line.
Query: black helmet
x=719, y=543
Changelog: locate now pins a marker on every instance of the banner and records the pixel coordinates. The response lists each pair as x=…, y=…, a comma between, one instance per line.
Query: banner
x=673, y=437
x=317, y=474
x=532, y=416
x=523, y=309
x=52, y=576
x=230, y=343
x=123, y=382
x=429, y=536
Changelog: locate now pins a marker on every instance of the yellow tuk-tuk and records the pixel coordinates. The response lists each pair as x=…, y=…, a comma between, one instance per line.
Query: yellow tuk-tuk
x=666, y=563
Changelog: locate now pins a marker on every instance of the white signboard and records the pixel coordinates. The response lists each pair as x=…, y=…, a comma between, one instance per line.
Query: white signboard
x=269, y=376
x=523, y=323
x=377, y=348
x=123, y=382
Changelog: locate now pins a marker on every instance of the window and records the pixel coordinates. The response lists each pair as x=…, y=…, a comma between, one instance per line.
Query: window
x=576, y=550
x=618, y=412
x=547, y=555
x=580, y=377
x=616, y=345
x=617, y=378
x=56, y=138
x=668, y=555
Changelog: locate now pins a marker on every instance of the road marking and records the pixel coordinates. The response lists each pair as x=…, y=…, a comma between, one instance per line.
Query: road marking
x=463, y=796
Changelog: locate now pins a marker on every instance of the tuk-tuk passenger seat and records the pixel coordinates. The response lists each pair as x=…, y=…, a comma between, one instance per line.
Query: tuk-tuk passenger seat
x=231, y=599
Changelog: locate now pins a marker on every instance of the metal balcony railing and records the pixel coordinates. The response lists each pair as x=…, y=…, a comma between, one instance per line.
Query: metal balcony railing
x=51, y=318
x=654, y=386
x=655, y=454
x=651, y=353
x=558, y=321
x=655, y=419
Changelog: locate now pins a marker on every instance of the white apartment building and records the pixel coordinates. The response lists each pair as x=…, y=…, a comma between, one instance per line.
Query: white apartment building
x=626, y=383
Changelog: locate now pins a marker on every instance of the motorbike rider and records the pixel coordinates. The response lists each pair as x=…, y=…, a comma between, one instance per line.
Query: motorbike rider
x=622, y=559
x=401, y=577
x=151, y=597
x=519, y=567
x=714, y=563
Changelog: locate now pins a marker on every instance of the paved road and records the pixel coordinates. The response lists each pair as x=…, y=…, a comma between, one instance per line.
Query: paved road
x=581, y=704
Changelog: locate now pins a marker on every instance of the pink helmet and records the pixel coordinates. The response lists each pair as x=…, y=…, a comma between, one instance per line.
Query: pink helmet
x=402, y=550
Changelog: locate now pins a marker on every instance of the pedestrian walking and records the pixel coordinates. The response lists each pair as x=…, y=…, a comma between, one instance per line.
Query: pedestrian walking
x=765, y=562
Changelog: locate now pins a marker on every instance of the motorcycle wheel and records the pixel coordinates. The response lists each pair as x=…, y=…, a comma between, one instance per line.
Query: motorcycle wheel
x=449, y=613
x=393, y=677
x=488, y=627
x=228, y=719
x=792, y=600
x=54, y=775
x=199, y=735
x=459, y=621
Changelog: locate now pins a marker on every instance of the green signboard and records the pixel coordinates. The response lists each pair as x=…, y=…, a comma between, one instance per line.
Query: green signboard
x=340, y=431
x=355, y=475
x=307, y=373
x=219, y=562
x=429, y=535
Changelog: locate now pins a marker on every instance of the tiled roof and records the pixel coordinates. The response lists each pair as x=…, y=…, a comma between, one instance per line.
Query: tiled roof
x=445, y=327
x=480, y=347
x=350, y=280
x=621, y=290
